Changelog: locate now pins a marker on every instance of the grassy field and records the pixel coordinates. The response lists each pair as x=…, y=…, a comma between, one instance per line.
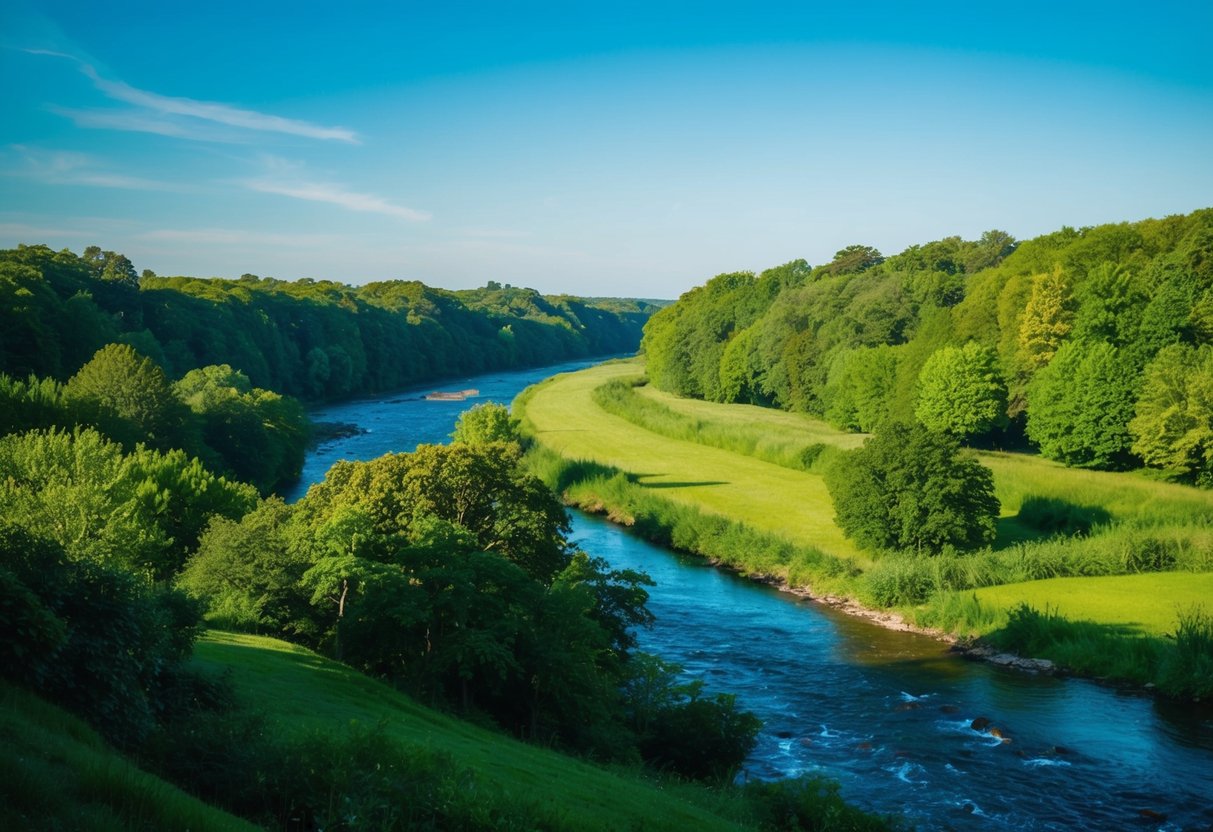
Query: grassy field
x=1145, y=604
x=767, y=497
x=57, y=774
x=1129, y=523
x=303, y=692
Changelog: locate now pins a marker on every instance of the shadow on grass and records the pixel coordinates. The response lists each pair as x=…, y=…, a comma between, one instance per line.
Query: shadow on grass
x=680, y=484
x=1117, y=651
x=1040, y=518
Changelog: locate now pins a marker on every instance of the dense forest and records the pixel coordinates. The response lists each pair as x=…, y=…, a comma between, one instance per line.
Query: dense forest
x=1094, y=345
x=215, y=367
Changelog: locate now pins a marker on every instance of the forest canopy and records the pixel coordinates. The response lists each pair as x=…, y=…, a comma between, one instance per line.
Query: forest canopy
x=1089, y=344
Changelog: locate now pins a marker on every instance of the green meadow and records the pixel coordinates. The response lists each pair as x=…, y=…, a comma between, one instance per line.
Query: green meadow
x=1118, y=550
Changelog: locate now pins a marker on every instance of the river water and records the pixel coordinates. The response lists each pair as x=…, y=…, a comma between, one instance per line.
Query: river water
x=889, y=715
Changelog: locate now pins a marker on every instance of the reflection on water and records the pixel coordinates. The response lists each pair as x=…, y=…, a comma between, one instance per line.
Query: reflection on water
x=902, y=724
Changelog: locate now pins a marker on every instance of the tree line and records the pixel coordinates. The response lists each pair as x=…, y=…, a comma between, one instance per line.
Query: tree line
x=311, y=339
x=1093, y=345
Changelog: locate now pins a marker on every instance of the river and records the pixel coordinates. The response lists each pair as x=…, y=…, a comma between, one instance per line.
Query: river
x=887, y=714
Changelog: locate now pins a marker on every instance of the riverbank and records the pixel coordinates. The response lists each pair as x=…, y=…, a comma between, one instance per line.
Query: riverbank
x=774, y=523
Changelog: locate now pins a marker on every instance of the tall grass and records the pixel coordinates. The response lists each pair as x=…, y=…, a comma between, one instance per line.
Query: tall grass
x=618, y=397
x=1187, y=669
x=600, y=489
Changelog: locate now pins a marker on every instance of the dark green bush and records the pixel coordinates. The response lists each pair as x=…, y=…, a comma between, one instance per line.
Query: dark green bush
x=806, y=803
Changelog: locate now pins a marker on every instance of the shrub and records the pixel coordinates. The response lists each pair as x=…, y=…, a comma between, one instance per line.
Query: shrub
x=911, y=488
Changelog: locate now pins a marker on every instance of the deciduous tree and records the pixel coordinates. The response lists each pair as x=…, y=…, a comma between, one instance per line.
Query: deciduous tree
x=912, y=488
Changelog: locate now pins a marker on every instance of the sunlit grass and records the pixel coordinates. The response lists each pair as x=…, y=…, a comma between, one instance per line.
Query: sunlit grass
x=1147, y=604
x=777, y=426
x=769, y=498
x=1125, y=522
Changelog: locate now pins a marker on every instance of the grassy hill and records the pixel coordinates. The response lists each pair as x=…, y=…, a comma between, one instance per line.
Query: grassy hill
x=57, y=774
x=1116, y=549
x=303, y=692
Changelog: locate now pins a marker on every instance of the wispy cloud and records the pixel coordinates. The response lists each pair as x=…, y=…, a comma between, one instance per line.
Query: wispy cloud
x=135, y=121
x=284, y=179
x=210, y=111
x=61, y=167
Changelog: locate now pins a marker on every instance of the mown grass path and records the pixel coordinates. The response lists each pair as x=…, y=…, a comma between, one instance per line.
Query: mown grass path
x=766, y=497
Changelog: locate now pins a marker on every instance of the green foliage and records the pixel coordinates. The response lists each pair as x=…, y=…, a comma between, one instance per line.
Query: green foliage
x=1082, y=646
x=1173, y=425
x=703, y=738
x=142, y=511
x=960, y=392
x=860, y=386
x=1047, y=320
x=854, y=259
x=1187, y=671
x=132, y=390
x=315, y=339
x=258, y=436
x=95, y=639
x=821, y=343
x=446, y=571
x=250, y=573
x=1079, y=406
x=809, y=802
x=685, y=343
x=910, y=488
x=486, y=423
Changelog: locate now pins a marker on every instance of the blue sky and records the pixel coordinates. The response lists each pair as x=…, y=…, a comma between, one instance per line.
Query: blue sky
x=619, y=148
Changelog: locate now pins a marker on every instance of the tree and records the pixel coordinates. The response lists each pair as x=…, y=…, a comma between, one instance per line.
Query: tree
x=960, y=391
x=1047, y=320
x=854, y=259
x=258, y=435
x=130, y=387
x=912, y=488
x=859, y=388
x=481, y=489
x=1080, y=405
x=989, y=251
x=94, y=639
x=1173, y=424
x=484, y=423
x=250, y=573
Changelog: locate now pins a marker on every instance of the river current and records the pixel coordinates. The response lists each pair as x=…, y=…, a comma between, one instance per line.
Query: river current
x=888, y=715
